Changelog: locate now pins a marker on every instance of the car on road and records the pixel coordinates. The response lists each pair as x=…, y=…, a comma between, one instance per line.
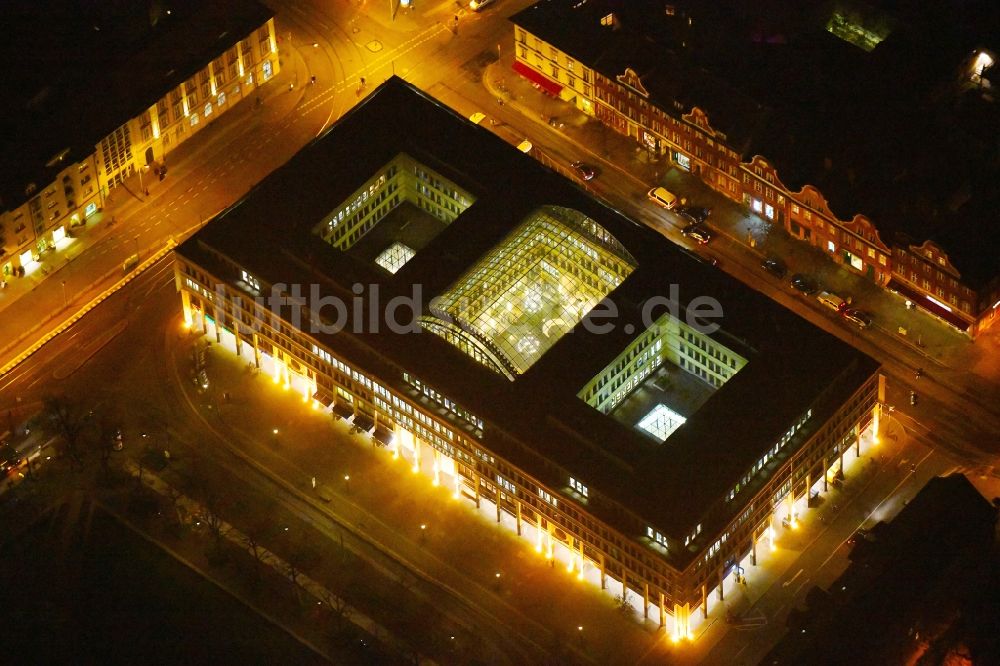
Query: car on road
x=479, y=5
x=525, y=146
x=831, y=300
x=663, y=197
x=804, y=284
x=774, y=266
x=860, y=535
x=584, y=171
x=696, y=213
x=697, y=232
x=859, y=318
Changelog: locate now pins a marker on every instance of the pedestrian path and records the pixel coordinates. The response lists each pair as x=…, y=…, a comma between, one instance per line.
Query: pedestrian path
x=923, y=336
x=193, y=514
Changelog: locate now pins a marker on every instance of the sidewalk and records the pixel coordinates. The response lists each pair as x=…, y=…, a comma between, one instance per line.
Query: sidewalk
x=444, y=538
x=51, y=292
x=925, y=338
x=193, y=515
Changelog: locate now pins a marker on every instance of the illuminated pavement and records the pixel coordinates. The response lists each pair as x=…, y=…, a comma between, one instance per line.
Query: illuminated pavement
x=404, y=513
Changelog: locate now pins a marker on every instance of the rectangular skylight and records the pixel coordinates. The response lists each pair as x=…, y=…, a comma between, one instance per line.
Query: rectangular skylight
x=393, y=257
x=661, y=422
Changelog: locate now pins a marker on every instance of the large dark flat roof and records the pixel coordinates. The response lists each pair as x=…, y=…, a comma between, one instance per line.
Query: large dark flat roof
x=892, y=133
x=77, y=70
x=537, y=422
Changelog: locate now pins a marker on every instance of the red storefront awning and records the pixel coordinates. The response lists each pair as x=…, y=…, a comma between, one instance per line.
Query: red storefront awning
x=536, y=77
x=921, y=300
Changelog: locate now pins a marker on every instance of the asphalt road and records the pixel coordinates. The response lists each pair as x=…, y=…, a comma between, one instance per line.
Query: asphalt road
x=243, y=146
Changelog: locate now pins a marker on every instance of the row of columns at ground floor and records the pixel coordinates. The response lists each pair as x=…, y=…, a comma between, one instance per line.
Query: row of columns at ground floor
x=446, y=471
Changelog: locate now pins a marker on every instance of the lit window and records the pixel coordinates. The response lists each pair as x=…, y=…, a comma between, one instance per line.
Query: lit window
x=194, y=119
x=578, y=487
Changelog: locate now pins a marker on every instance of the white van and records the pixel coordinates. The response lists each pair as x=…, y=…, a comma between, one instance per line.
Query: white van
x=831, y=300
x=661, y=196
x=525, y=146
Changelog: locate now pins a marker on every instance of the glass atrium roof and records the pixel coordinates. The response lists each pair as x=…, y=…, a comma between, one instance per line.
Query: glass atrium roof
x=661, y=422
x=534, y=286
x=393, y=257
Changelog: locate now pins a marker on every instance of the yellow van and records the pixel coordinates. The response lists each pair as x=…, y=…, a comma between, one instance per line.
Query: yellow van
x=661, y=196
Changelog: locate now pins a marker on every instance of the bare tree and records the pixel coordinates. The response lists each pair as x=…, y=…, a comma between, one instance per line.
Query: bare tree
x=340, y=611
x=104, y=443
x=65, y=419
x=253, y=536
x=624, y=605
x=210, y=511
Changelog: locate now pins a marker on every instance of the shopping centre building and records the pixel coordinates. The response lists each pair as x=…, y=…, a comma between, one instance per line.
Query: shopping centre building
x=533, y=350
x=99, y=94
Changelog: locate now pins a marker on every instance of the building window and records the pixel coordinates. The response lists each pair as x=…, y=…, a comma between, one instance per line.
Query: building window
x=548, y=498
x=208, y=109
x=830, y=247
x=578, y=487
x=194, y=119
x=506, y=485
x=656, y=536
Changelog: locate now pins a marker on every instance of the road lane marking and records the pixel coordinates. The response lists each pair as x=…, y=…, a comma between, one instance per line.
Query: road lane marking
x=792, y=579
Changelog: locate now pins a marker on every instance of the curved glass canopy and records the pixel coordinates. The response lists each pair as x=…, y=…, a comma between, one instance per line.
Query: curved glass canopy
x=512, y=305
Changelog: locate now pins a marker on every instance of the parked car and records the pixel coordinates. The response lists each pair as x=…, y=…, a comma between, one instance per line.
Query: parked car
x=774, y=266
x=697, y=232
x=478, y=5
x=831, y=300
x=696, y=213
x=585, y=171
x=804, y=284
x=859, y=318
x=661, y=196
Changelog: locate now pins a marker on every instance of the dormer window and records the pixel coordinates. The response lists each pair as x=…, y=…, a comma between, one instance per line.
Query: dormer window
x=609, y=20
x=250, y=281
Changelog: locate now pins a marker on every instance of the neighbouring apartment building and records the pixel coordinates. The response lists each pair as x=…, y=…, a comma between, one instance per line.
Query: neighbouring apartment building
x=120, y=89
x=866, y=131
x=645, y=452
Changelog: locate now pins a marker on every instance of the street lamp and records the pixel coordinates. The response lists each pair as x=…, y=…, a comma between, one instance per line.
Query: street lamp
x=347, y=480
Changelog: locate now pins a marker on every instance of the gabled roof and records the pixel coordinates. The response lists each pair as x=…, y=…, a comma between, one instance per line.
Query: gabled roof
x=895, y=133
x=76, y=71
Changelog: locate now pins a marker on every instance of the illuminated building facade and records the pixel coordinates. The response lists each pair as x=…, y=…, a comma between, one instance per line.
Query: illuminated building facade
x=554, y=366
x=774, y=107
x=113, y=110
